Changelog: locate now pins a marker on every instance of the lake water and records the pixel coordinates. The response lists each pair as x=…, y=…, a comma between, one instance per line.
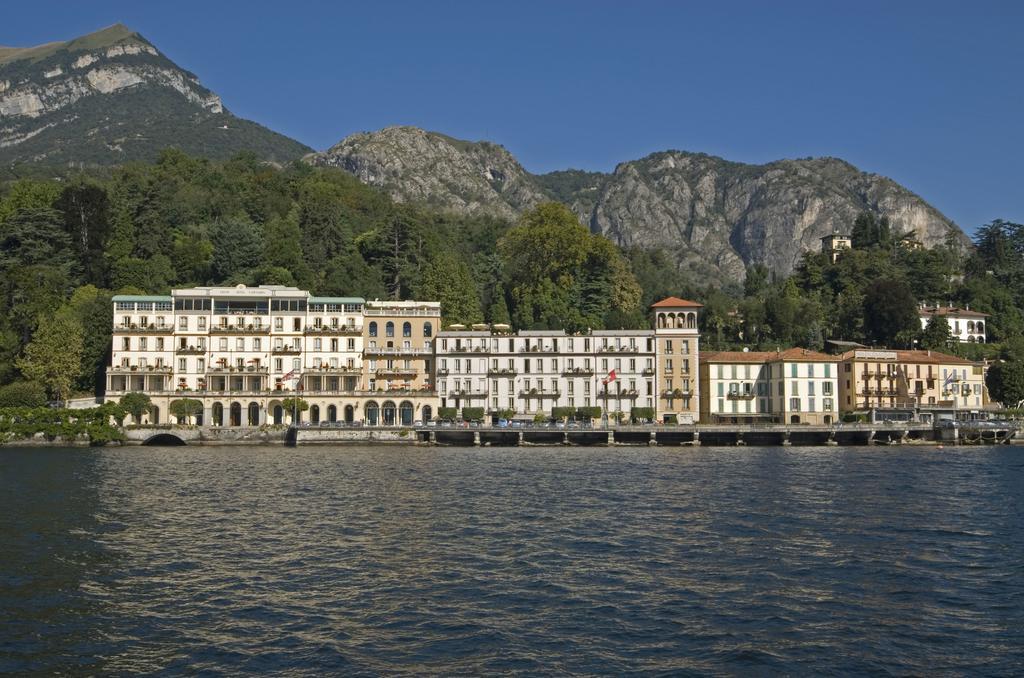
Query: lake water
x=527, y=560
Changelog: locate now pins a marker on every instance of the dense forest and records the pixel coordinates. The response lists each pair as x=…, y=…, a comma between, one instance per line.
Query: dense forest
x=68, y=244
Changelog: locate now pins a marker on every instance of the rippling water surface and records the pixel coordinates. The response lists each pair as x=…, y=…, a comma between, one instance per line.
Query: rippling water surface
x=529, y=560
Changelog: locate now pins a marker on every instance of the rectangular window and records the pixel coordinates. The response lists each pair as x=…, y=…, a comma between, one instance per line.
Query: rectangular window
x=826, y=388
x=223, y=344
x=182, y=364
x=810, y=388
x=142, y=344
x=794, y=404
x=239, y=344
x=793, y=370
x=256, y=343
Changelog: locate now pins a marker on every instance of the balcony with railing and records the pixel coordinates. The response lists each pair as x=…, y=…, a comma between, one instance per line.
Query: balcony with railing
x=578, y=372
x=396, y=350
x=143, y=329
x=336, y=369
x=539, y=393
x=619, y=349
x=139, y=369
x=467, y=393
x=502, y=372
x=389, y=372
x=286, y=350
x=190, y=350
x=741, y=395
x=240, y=329
x=334, y=330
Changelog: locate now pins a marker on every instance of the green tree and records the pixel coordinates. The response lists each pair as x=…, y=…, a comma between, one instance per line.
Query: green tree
x=936, y=333
x=295, y=405
x=135, y=404
x=28, y=194
x=236, y=248
x=153, y=274
x=1005, y=381
x=92, y=309
x=54, y=356
x=448, y=279
x=84, y=205
x=186, y=409
x=890, y=312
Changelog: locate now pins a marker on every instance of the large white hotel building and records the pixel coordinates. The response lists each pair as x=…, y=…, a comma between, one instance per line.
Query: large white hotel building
x=243, y=351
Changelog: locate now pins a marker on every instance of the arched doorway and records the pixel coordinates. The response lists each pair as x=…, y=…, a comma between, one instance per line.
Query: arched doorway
x=218, y=414
x=372, y=414
x=387, y=413
x=314, y=414
x=236, y=414
x=278, y=415
x=254, y=414
x=332, y=413
x=154, y=414
x=350, y=414
x=428, y=413
x=795, y=419
x=405, y=411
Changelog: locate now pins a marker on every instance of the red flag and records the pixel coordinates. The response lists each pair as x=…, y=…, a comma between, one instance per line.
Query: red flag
x=610, y=378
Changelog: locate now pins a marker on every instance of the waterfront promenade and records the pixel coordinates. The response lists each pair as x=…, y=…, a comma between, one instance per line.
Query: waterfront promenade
x=894, y=433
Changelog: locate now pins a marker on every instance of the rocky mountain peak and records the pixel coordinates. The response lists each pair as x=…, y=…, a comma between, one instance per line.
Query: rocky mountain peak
x=111, y=96
x=715, y=216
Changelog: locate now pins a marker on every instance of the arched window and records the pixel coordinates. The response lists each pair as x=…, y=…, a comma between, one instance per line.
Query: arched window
x=154, y=414
x=350, y=414
x=332, y=413
x=661, y=321
x=389, y=329
x=388, y=413
x=254, y=414
x=428, y=329
x=372, y=413
x=428, y=413
x=314, y=414
x=218, y=414
x=979, y=327
x=278, y=415
x=373, y=329
x=407, y=329
x=970, y=326
x=236, y=414
x=405, y=413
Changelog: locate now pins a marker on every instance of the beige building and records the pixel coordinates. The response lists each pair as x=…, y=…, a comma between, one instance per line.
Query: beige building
x=796, y=386
x=398, y=361
x=835, y=244
x=910, y=379
x=677, y=338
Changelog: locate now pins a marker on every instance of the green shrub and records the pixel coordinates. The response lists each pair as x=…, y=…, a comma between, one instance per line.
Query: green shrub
x=447, y=413
x=22, y=394
x=642, y=414
x=473, y=413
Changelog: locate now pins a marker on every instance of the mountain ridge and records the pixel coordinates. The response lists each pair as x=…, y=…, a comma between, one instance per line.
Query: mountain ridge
x=64, y=103
x=717, y=216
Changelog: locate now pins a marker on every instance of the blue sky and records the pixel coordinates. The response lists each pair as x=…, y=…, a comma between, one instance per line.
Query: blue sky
x=928, y=93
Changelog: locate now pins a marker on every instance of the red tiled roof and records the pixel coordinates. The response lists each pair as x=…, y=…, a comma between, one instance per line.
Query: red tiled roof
x=921, y=356
x=946, y=310
x=791, y=354
x=676, y=302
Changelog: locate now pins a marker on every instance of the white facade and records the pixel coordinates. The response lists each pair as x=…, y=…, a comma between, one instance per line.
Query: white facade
x=965, y=325
x=532, y=372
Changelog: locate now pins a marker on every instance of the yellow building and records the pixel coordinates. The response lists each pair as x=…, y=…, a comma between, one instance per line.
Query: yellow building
x=677, y=338
x=906, y=379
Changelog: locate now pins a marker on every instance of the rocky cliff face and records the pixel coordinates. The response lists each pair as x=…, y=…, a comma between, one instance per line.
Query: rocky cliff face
x=112, y=96
x=717, y=217
x=414, y=165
